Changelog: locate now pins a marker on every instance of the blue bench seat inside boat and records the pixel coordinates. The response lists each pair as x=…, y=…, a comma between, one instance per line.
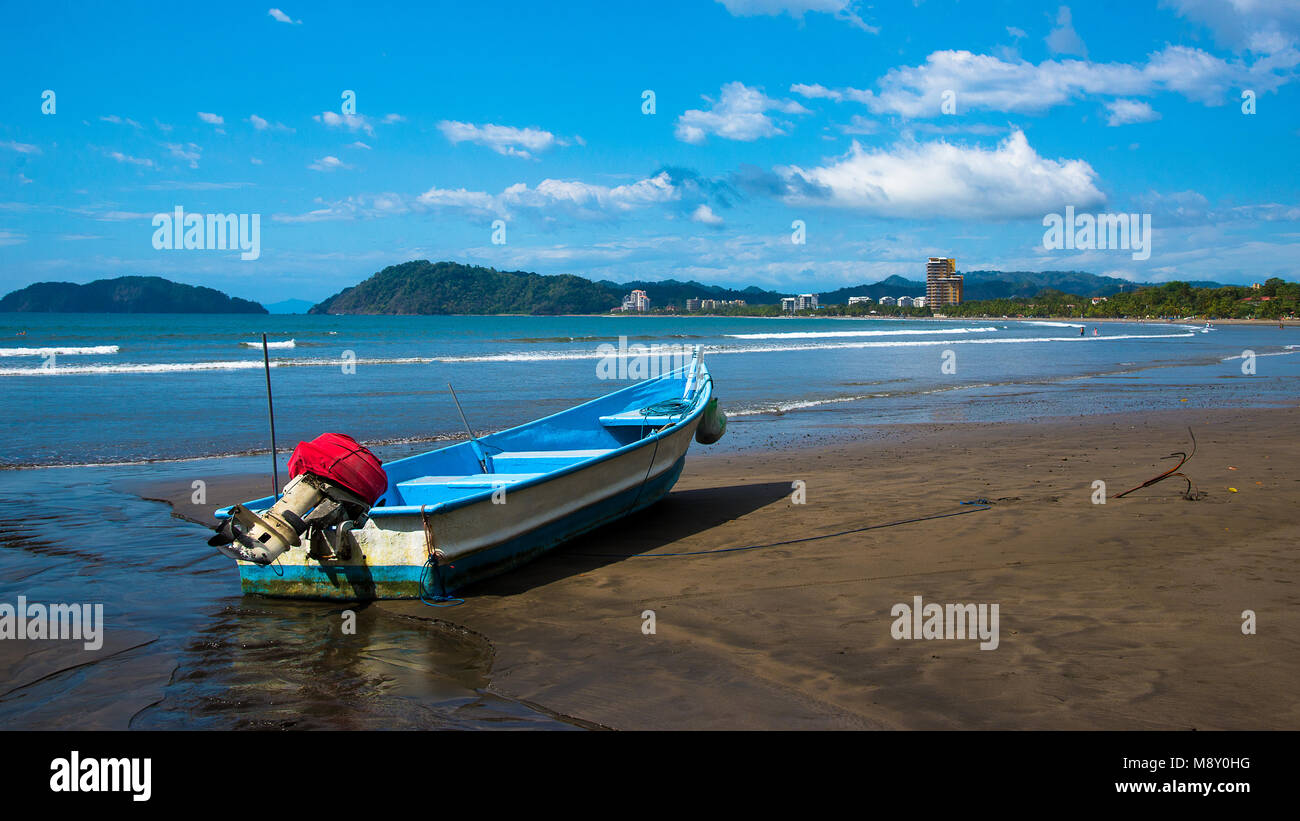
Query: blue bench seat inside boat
x=542, y=461
x=510, y=468
x=635, y=419
x=429, y=490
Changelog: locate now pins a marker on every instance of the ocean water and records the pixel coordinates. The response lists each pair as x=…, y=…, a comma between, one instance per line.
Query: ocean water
x=82, y=389
x=93, y=403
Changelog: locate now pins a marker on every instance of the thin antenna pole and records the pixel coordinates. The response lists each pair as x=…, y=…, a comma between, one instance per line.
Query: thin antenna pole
x=270, y=412
x=478, y=452
x=459, y=410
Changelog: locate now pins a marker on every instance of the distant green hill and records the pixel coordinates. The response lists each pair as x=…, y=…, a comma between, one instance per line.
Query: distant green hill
x=894, y=286
x=125, y=295
x=423, y=287
x=979, y=285
x=674, y=292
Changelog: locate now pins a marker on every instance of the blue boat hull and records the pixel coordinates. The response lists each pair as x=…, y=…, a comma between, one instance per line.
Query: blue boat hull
x=546, y=482
x=359, y=582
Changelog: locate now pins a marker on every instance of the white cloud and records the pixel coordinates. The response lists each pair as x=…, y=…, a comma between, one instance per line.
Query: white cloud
x=986, y=82
x=943, y=180
x=503, y=139
x=21, y=148
x=547, y=200
x=283, y=18
x=330, y=163
x=352, y=122
x=262, y=124
x=842, y=9
x=739, y=114
x=188, y=152
x=211, y=119
x=11, y=238
x=588, y=198
x=1261, y=26
x=1016, y=33
x=129, y=160
x=1064, y=39
x=704, y=215
x=359, y=144
x=116, y=120
x=1123, y=112
x=393, y=118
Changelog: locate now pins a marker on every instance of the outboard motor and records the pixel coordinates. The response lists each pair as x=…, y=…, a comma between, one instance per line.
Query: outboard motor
x=333, y=482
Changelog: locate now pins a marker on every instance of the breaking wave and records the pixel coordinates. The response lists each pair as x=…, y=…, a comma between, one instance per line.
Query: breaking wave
x=94, y=350
x=550, y=356
x=824, y=334
x=288, y=343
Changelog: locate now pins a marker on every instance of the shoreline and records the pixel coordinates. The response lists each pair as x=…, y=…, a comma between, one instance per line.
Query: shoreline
x=1112, y=616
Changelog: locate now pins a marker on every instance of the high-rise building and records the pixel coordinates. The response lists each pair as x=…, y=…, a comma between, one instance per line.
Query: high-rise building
x=636, y=301
x=943, y=285
x=806, y=302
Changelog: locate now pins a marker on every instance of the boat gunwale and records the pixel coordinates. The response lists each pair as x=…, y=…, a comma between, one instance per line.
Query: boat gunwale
x=703, y=385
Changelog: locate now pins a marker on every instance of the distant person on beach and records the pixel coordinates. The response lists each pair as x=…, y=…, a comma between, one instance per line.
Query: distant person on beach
x=1081, y=330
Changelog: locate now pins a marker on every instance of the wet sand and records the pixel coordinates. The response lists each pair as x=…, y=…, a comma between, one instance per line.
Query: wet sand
x=1126, y=615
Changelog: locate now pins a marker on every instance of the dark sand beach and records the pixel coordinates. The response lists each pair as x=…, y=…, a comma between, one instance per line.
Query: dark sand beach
x=1126, y=615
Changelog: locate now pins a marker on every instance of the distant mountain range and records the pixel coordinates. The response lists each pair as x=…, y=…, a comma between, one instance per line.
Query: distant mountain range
x=423, y=287
x=125, y=295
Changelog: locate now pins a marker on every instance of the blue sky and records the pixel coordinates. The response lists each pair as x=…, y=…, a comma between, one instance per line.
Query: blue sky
x=893, y=132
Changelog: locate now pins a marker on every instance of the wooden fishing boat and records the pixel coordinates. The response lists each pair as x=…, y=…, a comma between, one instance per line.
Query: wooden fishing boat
x=453, y=516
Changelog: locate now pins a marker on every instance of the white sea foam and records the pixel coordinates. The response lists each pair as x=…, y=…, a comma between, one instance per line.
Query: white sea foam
x=181, y=367
x=547, y=356
x=94, y=350
x=825, y=334
x=1051, y=324
x=803, y=404
x=288, y=343
x=714, y=350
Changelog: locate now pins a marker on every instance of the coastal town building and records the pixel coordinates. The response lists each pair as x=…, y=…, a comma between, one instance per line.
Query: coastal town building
x=888, y=300
x=859, y=300
x=904, y=302
x=699, y=304
x=943, y=285
x=787, y=304
x=807, y=302
x=636, y=301
x=919, y=302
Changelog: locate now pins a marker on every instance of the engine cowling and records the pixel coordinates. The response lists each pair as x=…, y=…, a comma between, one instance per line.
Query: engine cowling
x=333, y=482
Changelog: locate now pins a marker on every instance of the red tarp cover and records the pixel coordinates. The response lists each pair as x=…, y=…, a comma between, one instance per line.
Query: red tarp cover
x=340, y=459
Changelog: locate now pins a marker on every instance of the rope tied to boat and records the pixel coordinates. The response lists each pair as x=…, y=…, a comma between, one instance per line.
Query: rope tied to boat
x=432, y=569
x=972, y=506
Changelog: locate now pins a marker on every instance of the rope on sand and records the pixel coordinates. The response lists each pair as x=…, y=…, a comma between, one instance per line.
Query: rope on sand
x=975, y=506
x=1191, y=494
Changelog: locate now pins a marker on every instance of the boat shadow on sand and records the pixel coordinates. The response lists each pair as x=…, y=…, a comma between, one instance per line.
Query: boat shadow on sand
x=679, y=515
